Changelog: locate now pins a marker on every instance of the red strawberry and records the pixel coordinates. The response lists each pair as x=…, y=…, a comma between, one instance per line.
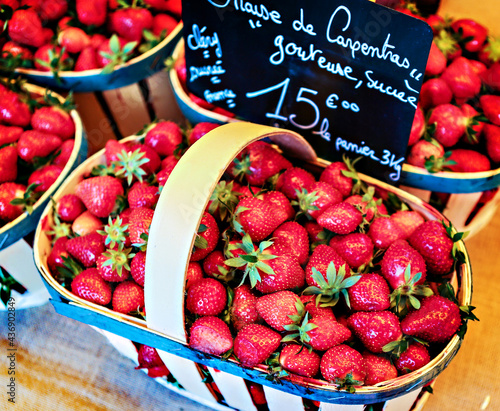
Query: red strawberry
x=33, y=143
x=169, y=162
x=207, y=237
x=325, y=333
x=291, y=238
x=378, y=369
x=316, y=310
x=92, y=12
x=256, y=218
x=128, y=297
x=163, y=24
x=415, y=357
x=368, y=206
x=139, y=221
x=432, y=241
x=108, y=271
x=255, y=343
x=65, y=152
x=462, y=80
x=370, y=293
x=474, y=32
x=210, y=335
x=407, y=221
x=434, y=92
x=448, y=44
x=396, y=258
x=44, y=177
x=375, y=329
x=492, y=136
x=86, y=60
x=423, y=151
x=138, y=267
x=8, y=164
x=436, y=320
x=99, y=194
x=148, y=357
x=341, y=362
x=417, y=127
x=154, y=162
x=317, y=198
x=333, y=175
x=53, y=120
x=320, y=259
x=194, y=273
x=199, y=130
x=164, y=137
x=490, y=105
x=55, y=258
x=316, y=233
x=25, y=27
x=52, y=9
x=450, y=123
x=73, y=39
x=491, y=77
x=130, y=23
x=355, y=248
x=436, y=62
x=293, y=181
x=384, y=231
x=13, y=111
x=14, y=49
x=50, y=57
x=340, y=218
x=283, y=210
x=206, y=297
x=468, y=161
x=280, y=309
x=112, y=149
x=90, y=286
x=474, y=125
x=298, y=360
x=86, y=248
x=114, y=51
x=142, y=195
x=244, y=307
x=288, y=274
x=214, y=265
x=86, y=223
x=9, y=134
x=8, y=192
x=490, y=52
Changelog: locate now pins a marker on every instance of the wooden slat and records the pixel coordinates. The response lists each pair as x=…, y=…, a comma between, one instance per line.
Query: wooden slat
x=422, y=194
x=279, y=400
x=233, y=389
x=162, y=98
x=403, y=403
x=459, y=207
x=339, y=407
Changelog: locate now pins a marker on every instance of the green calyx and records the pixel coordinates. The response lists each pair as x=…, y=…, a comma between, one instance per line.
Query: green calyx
x=223, y=199
x=241, y=167
x=299, y=329
x=446, y=42
x=56, y=62
x=59, y=229
x=30, y=197
x=115, y=232
x=455, y=236
x=435, y=164
x=305, y=201
x=493, y=49
x=118, y=259
x=118, y=55
x=129, y=165
x=347, y=383
x=405, y=296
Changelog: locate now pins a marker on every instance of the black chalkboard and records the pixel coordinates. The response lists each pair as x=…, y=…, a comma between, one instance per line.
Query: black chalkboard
x=345, y=74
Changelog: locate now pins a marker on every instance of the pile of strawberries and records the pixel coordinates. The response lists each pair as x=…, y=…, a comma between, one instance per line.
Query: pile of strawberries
x=311, y=272
x=37, y=137
x=61, y=35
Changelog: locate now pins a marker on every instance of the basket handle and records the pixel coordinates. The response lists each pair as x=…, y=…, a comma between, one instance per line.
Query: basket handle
x=179, y=210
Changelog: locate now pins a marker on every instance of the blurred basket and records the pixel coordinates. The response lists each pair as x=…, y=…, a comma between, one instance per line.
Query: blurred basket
x=16, y=255
x=178, y=213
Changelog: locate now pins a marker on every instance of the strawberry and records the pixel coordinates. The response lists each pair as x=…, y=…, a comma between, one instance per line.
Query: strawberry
x=163, y=24
x=255, y=217
x=55, y=258
x=490, y=52
x=368, y=205
x=280, y=309
x=375, y=329
x=355, y=248
x=292, y=238
x=343, y=365
x=52, y=10
x=322, y=333
x=210, y=335
x=333, y=175
x=472, y=32
x=436, y=62
x=214, y=266
x=154, y=161
x=340, y=218
x=142, y=195
x=254, y=343
x=243, y=310
x=86, y=248
x=73, y=39
x=286, y=274
x=114, y=52
x=86, y=60
x=130, y=23
x=138, y=267
x=407, y=221
x=164, y=138
x=317, y=198
x=199, y=130
x=8, y=192
x=44, y=177
x=51, y=58
x=53, y=120
x=9, y=134
x=450, y=123
x=413, y=358
x=474, y=124
x=492, y=137
x=25, y=27
x=13, y=49
x=113, y=264
x=99, y=194
x=34, y=143
x=206, y=297
x=370, y=293
x=462, y=80
x=139, y=222
x=8, y=164
x=434, y=92
x=468, y=161
x=384, y=231
x=128, y=297
x=91, y=287
x=448, y=44
x=64, y=153
x=13, y=111
x=417, y=127
x=316, y=233
x=112, y=150
x=396, y=258
x=148, y=358
x=283, y=210
x=432, y=241
x=293, y=181
x=490, y=104
x=91, y=12
x=169, y=161
x=86, y=223
x=298, y=360
x=206, y=238
x=320, y=260
x=437, y=320
x=378, y=368
x=426, y=154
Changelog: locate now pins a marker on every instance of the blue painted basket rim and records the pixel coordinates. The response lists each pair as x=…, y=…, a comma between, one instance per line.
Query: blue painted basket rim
x=80, y=143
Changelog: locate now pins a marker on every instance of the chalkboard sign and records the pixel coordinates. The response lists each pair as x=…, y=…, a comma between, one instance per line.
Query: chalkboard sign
x=344, y=74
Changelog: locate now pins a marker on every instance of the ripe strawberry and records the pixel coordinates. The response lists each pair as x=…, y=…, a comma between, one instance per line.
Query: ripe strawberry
x=207, y=237
x=448, y=44
x=293, y=181
x=128, y=297
x=320, y=259
x=473, y=32
x=468, y=161
x=317, y=198
x=256, y=218
x=53, y=120
x=51, y=58
x=462, y=80
x=86, y=223
x=286, y=274
x=8, y=192
x=199, y=130
x=343, y=365
x=73, y=39
x=154, y=162
x=99, y=194
x=148, y=358
x=214, y=266
x=316, y=310
x=432, y=241
x=55, y=258
x=64, y=153
x=8, y=164
x=255, y=343
x=434, y=92
x=206, y=297
x=370, y=293
x=316, y=233
x=13, y=111
x=91, y=12
x=86, y=60
x=340, y=218
x=474, y=125
x=210, y=335
x=426, y=154
x=413, y=358
x=436, y=62
x=378, y=368
x=368, y=205
x=44, y=177
x=142, y=195
x=375, y=329
x=139, y=221
x=298, y=360
x=396, y=258
x=33, y=143
x=492, y=137
x=384, y=231
x=283, y=210
x=112, y=149
x=113, y=265
x=450, y=123
x=90, y=286
x=417, y=127
x=291, y=238
x=490, y=104
x=114, y=52
x=163, y=24
x=169, y=162
x=86, y=248
x=244, y=307
x=407, y=221
x=436, y=320
x=138, y=267
x=130, y=23
x=13, y=49
x=333, y=175
x=280, y=309
x=325, y=333
x=52, y=10
x=164, y=138
x=9, y=134
x=25, y=27
x=355, y=248
x=491, y=77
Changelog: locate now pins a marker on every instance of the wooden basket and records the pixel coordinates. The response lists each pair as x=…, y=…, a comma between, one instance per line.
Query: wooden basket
x=16, y=255
x=171, y=238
